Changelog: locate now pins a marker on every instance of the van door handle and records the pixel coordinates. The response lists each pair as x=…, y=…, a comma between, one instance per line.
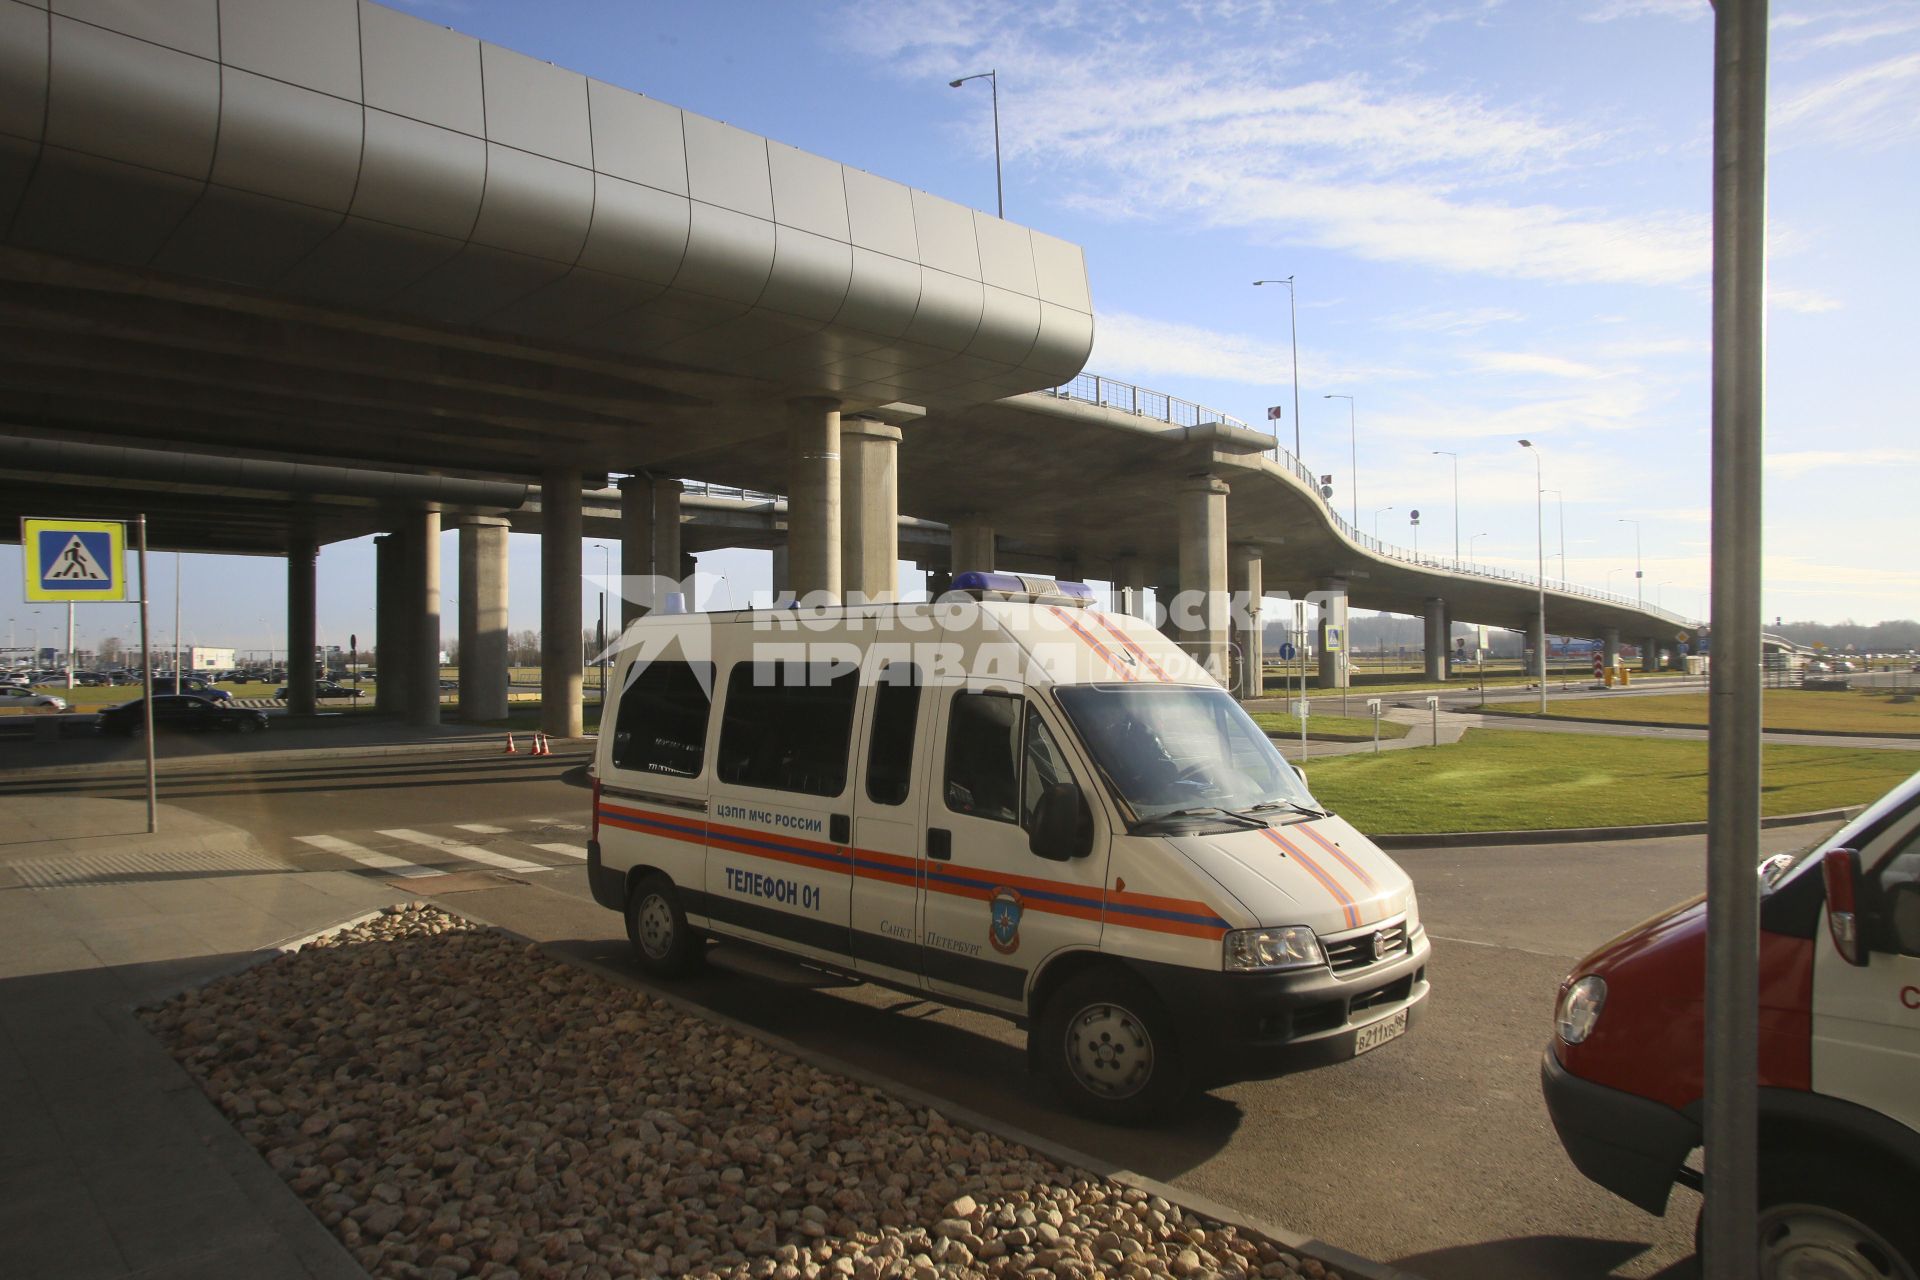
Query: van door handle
x=840, y=829
x=939, y=844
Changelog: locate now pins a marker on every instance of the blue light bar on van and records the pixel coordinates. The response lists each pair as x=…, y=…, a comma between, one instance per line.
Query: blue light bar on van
x=1019, y=586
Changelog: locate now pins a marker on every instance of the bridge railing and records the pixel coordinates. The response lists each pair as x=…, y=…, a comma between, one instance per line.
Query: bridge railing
x=1111, y=393
x=702, y=488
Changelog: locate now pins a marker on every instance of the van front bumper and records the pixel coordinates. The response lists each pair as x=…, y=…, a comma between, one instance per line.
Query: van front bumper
x=1248, y=1026
x=1632, y=1146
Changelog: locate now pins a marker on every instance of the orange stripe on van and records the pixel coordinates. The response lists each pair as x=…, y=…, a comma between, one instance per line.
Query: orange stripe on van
x=1132, y=645
x=1348, y=908
x=1101, y=651
x=1339, y=855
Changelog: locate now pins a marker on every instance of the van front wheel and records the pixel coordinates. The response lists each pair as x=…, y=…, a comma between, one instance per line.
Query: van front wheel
x=656, y=926
x=1108, y=1046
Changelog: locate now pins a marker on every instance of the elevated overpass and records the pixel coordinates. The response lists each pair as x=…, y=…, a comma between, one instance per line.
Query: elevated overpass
x=280, y=272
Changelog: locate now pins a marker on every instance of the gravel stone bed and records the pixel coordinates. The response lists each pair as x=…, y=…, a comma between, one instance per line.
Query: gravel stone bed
x=453, y=1103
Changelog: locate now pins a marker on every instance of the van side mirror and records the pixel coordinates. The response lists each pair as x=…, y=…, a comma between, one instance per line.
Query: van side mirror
x=1301, y=774
x=1056, y=834
x=1840, y=868
x=1903, y=917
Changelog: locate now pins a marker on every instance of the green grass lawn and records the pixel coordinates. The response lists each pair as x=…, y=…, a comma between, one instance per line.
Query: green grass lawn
x=1327, y=728
x=1496, y=781
x=1851, y=711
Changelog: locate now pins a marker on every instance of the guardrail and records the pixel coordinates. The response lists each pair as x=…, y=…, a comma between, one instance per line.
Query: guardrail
x=1110, y=393
x=704, y=489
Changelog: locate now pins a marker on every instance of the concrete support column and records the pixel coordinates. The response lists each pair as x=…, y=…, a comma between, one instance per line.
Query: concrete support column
x=422, y=610
x=561, y=663
x=649, y=541
x=813, y=496
x=782, y=573
x=389, y=626
x=1610, y=645
x=1247, y=594
x=483, y=618
x=1203, y=615
x=870, y=508
x=1336, y=665
x=302, y=555
x=1650, y=654
x=1436, y=638
x=1446, y=641
x=939, y=582
x=1130, y=587
x=972, y=546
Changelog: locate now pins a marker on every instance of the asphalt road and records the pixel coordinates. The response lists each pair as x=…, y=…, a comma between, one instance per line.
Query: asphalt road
x=1434, y=1152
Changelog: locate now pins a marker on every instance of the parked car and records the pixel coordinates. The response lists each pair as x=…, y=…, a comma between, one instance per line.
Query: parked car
x=1839, y=980
x=180, y=712
x=14, y=696
x=20, y=679
x=323, y=689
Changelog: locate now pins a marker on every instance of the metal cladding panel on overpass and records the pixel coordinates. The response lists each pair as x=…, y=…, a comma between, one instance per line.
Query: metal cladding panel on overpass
x=354, y=159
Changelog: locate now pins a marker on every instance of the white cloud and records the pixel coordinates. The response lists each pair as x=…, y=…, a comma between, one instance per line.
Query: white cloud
x=1461, y=323
x=1225, y=131
x=1802, y=300
x=1533, y=362
x=1786, y=466
x=1135, y=348
x=1615, y=10
x=1870, y=107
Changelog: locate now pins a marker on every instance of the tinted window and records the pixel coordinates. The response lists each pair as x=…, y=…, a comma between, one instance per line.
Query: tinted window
x=788, y=726
x=983, y=733
x=662, y=726
x=896, y=710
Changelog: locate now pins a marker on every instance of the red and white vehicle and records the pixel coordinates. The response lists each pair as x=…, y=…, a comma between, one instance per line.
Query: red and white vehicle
x=1839, y=1053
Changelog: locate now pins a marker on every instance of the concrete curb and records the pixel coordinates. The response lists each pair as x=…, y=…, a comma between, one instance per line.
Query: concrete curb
x=1348, y=1264
x=490, y=746
x=1589, y=835
x=1700, y=728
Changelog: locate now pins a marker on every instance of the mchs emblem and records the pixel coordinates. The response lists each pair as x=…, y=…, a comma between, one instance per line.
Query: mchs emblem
x=1005, y=930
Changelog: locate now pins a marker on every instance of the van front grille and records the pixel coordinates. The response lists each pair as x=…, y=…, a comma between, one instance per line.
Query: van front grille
x=1363, y=949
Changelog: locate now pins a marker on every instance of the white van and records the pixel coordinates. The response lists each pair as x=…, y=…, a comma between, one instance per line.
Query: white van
x=1010, y=800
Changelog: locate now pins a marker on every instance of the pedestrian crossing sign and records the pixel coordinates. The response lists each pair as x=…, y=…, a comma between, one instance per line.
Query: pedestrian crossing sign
x=74, y=560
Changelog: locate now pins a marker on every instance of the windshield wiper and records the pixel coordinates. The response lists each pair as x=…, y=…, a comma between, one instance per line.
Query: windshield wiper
x=1208, y=811
x=1294, y=805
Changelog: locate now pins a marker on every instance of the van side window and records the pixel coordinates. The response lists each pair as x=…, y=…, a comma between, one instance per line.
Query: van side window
x=787, y=726
x=896, y=708
x=1042, y=765
x=983, y=732
x=662, y=725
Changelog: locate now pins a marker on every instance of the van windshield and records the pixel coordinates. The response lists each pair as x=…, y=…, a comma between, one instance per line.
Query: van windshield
x=1172, y=749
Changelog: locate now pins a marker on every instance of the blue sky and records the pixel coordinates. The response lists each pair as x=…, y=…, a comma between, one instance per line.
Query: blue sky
x=1497, y=215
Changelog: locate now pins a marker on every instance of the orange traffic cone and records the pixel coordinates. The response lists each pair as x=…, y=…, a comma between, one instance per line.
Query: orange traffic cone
x=511, y=749
x=540, y=747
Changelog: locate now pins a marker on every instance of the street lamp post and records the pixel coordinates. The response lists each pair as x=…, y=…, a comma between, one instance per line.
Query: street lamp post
x=1471, y=553
x=1293, y=332
x=1639, y=573
x=1414, y=520
x=1353, y=442
x=1540, y=561
x=1376, y=522
x=1448, y=453
x=600, y=631
x=1560, y=504
x=993, y=80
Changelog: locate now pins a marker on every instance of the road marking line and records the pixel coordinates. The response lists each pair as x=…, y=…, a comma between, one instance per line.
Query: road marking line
x=570, y=850
x=368, y=857
x=472, y=852
x=558, y=824
x=481, y=828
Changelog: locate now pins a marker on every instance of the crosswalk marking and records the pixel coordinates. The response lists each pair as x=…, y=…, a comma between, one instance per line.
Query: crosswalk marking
x=367, y=857
x=558, y=824
x=481, y=828
x=570, y=850
x=473, y=852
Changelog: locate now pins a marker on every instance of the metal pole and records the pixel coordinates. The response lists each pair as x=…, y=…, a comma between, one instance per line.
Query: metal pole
x=176, y=622
x=146, y=681
x=69, y=644
x=1353, y=443
x=1293, y=331
x=1731, y=1130
x=999, y=193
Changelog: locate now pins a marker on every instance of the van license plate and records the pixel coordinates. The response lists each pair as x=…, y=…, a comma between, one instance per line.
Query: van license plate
x=1375, y=1034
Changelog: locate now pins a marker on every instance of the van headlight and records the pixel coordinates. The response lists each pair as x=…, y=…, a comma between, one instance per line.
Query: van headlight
x=1292, y=946
x=1580, y=1006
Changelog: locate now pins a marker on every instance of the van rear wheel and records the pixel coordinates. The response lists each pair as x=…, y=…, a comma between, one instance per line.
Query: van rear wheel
x=1108, y=1046
x=1829, y=1216
x=662, y=940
